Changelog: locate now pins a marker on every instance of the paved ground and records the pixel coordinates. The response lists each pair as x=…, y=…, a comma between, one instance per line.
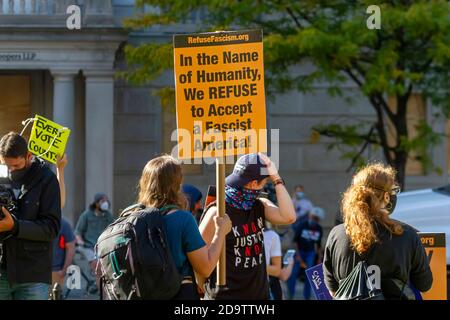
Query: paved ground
x=298, y=291
x=83, y=293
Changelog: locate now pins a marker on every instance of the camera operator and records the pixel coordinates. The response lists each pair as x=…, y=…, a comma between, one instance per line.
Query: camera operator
x=27, y=233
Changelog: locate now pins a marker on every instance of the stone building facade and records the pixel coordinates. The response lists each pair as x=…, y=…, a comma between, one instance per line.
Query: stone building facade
x=69, y=76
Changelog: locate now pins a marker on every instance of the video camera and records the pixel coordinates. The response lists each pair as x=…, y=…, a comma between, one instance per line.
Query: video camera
x=7, y=198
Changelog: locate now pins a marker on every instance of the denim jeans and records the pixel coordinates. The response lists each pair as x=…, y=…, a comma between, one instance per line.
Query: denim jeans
x=308, y=257
x=292, y=280
x=23, y=291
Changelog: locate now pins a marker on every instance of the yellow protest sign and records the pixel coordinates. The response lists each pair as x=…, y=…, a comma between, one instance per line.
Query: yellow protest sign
x=47, y=139
x=434, y=244
x=220, y=98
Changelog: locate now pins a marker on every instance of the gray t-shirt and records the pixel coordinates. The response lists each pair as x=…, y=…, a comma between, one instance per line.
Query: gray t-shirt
x=90, y=226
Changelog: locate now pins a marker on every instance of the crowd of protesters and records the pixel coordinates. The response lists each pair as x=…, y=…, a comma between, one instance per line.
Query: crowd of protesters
x=38, y=245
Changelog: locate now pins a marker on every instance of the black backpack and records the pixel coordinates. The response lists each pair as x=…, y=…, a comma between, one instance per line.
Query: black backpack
x=134, y=257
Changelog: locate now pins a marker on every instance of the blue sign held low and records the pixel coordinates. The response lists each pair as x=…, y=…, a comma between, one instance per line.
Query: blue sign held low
x=316, y=279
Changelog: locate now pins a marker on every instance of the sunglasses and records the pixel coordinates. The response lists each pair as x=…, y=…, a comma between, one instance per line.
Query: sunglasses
x=394, y=191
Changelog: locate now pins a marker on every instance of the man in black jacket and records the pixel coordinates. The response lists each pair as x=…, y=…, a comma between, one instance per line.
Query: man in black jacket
x=27, y=234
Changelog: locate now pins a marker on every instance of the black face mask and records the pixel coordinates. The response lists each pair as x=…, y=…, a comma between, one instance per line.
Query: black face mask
x=18, y=176
x=392, y=203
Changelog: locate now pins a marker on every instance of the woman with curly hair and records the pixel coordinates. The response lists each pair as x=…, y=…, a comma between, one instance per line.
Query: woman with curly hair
x=392, y=249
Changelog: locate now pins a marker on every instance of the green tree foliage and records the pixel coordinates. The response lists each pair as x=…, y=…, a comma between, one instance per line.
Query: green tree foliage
x=410, y=53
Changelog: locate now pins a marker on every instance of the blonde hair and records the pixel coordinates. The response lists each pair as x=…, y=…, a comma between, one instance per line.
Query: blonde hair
x=361, y=206
x=160, y=183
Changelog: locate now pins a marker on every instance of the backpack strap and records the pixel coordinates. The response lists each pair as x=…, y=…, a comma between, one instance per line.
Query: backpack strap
x=135, y=207
x=139, y=207
x=164, y=210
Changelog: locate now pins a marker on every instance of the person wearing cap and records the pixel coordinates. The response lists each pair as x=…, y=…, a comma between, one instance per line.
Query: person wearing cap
x=194, y=198
x=90, y=226
x=308, y=237
x=246, y=270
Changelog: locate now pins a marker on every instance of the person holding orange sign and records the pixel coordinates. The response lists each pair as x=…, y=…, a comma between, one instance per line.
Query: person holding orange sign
x=246, y=269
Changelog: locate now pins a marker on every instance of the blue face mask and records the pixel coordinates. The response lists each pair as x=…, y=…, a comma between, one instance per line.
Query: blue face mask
x=300, y=195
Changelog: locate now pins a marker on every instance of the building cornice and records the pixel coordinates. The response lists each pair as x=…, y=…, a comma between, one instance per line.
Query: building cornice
x=54, y=34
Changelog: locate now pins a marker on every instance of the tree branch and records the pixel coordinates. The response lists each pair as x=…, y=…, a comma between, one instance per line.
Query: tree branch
x=291, y=14
x=355, y=158
x=379, y=98
x=382, y=132
x=304, y=16
x=381, y=101
x=331, y=134
x=354, y=77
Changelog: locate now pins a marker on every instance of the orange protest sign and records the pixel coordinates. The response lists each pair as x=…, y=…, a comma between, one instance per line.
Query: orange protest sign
x=220, y=98
x=434, y=244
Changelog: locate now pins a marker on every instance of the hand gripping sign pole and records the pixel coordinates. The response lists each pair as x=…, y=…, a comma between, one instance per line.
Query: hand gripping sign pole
x=220, y=183
x=220, y=102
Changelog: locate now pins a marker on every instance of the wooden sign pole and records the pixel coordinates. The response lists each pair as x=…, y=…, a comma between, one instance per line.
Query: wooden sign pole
x=220, y=190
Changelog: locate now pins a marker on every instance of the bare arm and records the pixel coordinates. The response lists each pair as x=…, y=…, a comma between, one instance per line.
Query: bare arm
x=207, y=227
x=70, y=251
x=274, y=268
x=204, y=260
x=80, y=229
x=207, y=230
x=61, y=163
x=80, y=240
x=285, y=272
x=278, y=215
x=285, y=212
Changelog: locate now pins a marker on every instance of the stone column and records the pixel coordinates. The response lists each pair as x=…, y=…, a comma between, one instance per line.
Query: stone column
x=64, y=114
x=99, y=134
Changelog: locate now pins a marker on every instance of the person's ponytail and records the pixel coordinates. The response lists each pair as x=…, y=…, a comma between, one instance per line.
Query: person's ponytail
x=361, y=206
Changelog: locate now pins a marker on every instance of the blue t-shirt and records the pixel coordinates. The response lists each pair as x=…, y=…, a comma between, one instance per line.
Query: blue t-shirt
x=183, y=237
x=59, y=252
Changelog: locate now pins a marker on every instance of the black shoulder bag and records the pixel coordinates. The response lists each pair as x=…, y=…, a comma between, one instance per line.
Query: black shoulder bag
x=357, y=286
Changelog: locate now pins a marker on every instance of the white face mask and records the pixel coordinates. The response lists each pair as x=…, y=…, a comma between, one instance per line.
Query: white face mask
x=104, y=206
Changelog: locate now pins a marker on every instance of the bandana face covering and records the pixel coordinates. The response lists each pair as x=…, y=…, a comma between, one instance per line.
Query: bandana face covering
x=242, y=198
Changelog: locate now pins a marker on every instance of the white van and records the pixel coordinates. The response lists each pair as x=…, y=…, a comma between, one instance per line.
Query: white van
x=427, y=210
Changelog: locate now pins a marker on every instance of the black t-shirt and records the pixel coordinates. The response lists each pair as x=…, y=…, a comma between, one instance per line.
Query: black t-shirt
x=246, y=263
x=394, y=257
x=307, y=235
